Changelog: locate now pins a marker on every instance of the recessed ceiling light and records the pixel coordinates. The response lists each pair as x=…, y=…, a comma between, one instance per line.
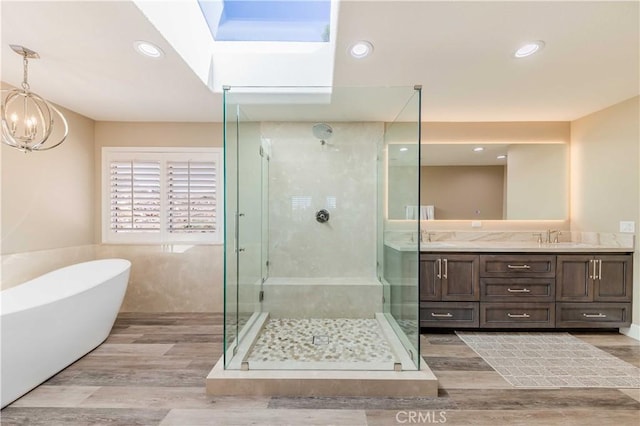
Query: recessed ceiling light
x=403, y=149
x=529, y=49
x=501, y=157
x=478, y=149
x=361, y=49
x=148, y=49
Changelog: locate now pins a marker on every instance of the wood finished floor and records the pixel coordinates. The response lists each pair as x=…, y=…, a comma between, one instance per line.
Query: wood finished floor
x=151, y=370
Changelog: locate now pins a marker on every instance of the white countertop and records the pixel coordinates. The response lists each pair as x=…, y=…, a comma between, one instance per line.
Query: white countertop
x=512, y=246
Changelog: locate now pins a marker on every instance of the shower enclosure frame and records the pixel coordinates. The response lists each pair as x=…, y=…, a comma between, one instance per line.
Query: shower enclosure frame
x=247, y=156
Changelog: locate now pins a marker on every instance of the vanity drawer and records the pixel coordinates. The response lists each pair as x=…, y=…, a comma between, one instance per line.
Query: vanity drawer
x=525, y=265
x=449, y=314
x=517, y=289
x=593, y=315
x=517, y=315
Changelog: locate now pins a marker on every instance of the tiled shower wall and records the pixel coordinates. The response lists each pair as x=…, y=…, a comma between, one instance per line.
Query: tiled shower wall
x=306, y=176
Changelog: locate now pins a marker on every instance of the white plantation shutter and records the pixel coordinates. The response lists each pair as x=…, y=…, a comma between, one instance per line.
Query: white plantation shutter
x=157, y=196
x=191, y=193
x=135, y=196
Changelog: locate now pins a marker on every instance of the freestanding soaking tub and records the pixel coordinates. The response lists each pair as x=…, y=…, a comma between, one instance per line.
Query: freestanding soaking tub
x=53, y=320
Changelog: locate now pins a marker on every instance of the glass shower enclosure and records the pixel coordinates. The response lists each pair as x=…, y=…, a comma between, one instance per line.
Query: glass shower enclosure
x=316, y=274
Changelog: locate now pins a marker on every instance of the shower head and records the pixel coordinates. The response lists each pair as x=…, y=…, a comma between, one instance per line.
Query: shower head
x=322, y=131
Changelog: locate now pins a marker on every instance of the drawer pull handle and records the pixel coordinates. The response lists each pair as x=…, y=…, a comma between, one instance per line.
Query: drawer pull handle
x=598, y=315
x=518, y=266
x=447, y=315
x=518, y=290
x=518, y=315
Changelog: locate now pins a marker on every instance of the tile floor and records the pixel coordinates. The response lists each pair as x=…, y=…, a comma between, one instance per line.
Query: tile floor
x=151, y=371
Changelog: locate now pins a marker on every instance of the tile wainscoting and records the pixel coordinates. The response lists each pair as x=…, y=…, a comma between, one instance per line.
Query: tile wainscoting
x=164, y=278
x=21, y=267
x=171, y=278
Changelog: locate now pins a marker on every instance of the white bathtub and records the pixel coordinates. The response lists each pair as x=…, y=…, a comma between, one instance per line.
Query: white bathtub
x=51, y=321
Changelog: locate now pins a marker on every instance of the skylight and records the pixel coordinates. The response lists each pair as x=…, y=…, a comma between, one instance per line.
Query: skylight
x=253, y=43
x=268, y=20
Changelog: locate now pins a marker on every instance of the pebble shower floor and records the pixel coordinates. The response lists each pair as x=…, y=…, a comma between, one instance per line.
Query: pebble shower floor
x=322, y=340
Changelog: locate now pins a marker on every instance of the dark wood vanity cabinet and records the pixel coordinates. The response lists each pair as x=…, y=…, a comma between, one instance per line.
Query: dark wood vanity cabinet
x=525, y=290
x=449, y=290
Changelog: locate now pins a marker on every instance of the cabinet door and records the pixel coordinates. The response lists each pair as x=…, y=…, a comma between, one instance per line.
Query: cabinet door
x=574, y=278
x=460, y=277
x=430, y=265
x=614, y=278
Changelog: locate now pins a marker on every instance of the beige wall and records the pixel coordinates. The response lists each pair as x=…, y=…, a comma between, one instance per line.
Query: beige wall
x=463, y=192
x=496, y=132
x=51, y=216
x=605, y=177
x=537, y=182
x=163, y=278
x=47, y=197
x=493, y=132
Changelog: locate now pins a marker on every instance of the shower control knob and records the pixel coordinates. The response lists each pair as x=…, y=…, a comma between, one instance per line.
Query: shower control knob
x=322, y=216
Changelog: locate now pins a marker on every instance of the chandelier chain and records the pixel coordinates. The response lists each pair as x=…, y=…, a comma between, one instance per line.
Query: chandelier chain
x=25, y=74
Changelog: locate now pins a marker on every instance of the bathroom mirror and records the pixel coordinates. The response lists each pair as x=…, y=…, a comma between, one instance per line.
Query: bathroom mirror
x=500, y=182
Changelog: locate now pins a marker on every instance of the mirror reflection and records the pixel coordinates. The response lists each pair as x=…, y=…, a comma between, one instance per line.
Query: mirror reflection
x=479, y=182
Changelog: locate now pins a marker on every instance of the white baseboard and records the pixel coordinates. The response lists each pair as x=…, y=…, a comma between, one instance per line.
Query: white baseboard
x=633, y=331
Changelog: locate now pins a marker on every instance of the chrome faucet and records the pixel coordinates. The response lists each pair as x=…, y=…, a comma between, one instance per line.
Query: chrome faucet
x=557, y=238
x=550, y=232
x=428, y=234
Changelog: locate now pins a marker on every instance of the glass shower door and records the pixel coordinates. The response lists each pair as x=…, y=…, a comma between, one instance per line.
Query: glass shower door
x=245, y=167
x=399, y=241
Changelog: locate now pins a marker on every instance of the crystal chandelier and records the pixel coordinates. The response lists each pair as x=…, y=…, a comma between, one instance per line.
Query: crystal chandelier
x=28, y=119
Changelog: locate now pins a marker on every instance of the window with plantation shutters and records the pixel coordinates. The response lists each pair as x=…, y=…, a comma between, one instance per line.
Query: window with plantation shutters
x=134, y=196
x=191, y=194
x=161, y=195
